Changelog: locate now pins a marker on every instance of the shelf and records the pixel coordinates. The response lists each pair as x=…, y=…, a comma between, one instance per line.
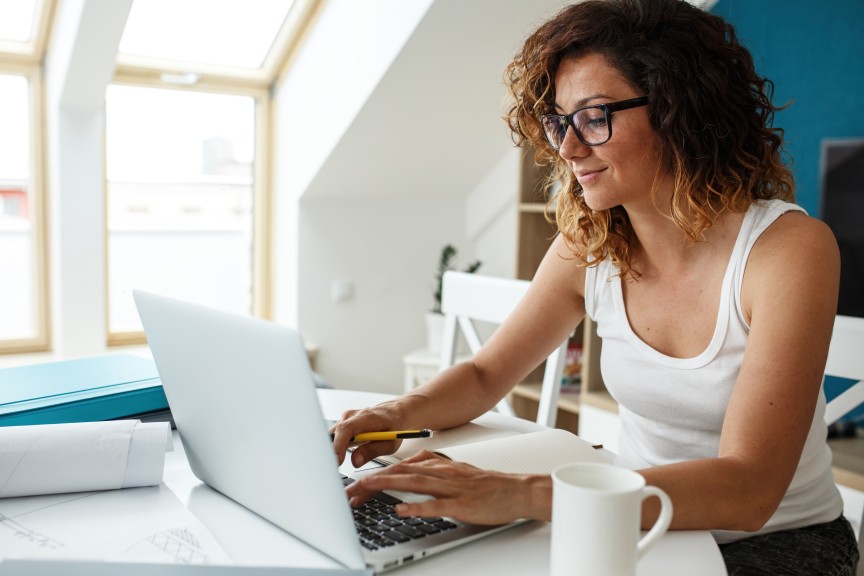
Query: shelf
x=532, y=207
x=848, y=461
x=525, y=399
x=567, y=401
x=536, y=235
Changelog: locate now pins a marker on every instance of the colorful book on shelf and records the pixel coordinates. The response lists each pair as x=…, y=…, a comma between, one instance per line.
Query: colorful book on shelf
x=82, y=390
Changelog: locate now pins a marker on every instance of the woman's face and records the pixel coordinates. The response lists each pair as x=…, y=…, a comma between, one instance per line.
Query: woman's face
x=621, y=171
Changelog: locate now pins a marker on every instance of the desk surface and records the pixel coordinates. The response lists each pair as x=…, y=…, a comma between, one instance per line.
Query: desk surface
x=525, y=549
x=248, y=539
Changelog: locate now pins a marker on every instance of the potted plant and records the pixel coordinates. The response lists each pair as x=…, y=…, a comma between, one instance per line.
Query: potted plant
x=434, y=318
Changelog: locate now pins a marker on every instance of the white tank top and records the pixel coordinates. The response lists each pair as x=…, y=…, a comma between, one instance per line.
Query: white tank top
x=672, y=409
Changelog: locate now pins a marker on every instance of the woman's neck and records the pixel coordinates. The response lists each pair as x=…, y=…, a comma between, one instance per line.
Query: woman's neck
x=661, y=247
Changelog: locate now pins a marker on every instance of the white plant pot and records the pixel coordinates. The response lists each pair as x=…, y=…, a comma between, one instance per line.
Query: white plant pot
x=434, y=331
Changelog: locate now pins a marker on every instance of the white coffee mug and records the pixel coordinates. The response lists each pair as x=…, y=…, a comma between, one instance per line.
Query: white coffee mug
x=596, y=517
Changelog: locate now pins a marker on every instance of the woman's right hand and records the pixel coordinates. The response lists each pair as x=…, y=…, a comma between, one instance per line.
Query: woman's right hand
x=380, y=418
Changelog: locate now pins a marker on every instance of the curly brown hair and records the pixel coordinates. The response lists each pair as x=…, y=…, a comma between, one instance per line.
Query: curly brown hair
x=711, y=111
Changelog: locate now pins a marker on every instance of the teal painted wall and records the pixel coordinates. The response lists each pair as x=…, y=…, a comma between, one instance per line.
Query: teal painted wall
x=813, y=51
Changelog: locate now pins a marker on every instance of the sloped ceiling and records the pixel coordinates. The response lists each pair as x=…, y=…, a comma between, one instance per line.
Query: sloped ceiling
x=433, y=126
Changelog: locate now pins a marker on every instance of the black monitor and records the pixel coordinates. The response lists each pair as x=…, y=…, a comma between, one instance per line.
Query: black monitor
x=842, y=198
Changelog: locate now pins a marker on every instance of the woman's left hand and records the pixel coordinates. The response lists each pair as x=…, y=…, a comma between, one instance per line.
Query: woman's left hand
x=459, y=491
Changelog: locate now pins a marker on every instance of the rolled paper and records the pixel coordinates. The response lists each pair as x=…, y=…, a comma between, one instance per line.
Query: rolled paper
x=82, y=456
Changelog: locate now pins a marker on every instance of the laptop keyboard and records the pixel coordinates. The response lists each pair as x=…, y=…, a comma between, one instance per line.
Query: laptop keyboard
x=378, y=525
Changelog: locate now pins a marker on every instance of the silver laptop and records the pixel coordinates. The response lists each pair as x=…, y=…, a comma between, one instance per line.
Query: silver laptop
x=243, y=398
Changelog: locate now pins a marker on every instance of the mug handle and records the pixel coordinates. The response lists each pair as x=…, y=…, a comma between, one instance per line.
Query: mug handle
x=662, y=523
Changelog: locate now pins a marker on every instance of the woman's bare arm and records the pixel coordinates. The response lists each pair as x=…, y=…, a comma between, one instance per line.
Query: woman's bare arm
x=790, y=298
x=552, y=307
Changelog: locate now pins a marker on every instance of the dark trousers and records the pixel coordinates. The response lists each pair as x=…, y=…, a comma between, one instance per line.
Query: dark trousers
x=828, y=549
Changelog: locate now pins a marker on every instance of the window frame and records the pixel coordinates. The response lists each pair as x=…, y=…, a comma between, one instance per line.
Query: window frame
x=37, y=201
x=258, y=83
x=27, y=59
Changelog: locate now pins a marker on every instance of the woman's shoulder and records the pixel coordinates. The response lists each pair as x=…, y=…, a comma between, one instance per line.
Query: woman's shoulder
x=562, y=267
x=794, y=248
x=793, y=232
x=793, y=265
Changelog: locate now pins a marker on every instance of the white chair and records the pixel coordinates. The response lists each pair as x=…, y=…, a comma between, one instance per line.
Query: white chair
x=846, y=360
x=467, y=298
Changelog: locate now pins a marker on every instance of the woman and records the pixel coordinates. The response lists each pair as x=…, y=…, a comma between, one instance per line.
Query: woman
x=714, y=295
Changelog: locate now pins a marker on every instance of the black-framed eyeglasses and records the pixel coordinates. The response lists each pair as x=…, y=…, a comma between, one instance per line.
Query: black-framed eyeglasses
x=591, y=124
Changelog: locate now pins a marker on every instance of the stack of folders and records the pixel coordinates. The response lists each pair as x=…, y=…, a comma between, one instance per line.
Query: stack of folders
x=83, y=390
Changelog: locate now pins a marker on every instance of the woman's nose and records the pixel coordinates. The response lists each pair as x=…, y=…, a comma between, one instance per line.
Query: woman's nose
x=572, y=146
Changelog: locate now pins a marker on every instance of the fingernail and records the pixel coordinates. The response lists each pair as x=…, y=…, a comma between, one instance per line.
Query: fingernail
x=358, y=460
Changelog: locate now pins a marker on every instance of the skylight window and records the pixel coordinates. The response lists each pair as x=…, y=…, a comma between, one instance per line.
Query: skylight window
x=18, y=25
x=209, y=33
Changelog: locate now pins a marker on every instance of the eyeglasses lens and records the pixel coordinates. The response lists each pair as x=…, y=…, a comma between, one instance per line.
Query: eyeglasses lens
x=555, y=128
x=590, y=124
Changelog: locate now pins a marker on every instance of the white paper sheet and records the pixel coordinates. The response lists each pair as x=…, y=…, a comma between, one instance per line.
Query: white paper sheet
x=80, y=457
x=99, y=526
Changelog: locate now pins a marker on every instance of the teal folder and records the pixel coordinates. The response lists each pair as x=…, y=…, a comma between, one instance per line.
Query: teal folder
x=83, y=390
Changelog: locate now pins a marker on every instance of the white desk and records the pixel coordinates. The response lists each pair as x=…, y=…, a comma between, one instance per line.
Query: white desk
x=250, y=540
x=525, y=549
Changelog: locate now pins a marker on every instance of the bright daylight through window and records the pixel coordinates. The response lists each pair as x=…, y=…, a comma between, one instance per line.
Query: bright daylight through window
x=233, y=34
x=18, y=304
x=16, y=20
x=180, y=195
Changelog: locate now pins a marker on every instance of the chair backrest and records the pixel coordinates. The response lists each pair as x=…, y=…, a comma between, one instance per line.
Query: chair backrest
x=467, y=298
x=846, y=360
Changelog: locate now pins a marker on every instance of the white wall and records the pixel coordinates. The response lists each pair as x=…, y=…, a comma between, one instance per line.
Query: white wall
x=492, y=217
x=387, y=250
x=424, y=160
x=348, y=50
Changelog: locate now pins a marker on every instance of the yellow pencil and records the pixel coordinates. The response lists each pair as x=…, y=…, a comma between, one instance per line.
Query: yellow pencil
x=390, y=435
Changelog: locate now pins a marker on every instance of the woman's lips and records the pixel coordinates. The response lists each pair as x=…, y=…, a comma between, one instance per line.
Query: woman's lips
x=588, y=176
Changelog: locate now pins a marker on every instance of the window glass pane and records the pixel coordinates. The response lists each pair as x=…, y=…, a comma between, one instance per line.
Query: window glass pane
x=221, y=32
x=17, y=290
x=16, y=19
x=180, y=185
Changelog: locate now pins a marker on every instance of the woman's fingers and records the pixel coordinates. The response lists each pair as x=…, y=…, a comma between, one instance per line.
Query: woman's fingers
x=368, y=451
x=424, y=455
x=419, y=477
x=355, y=422
x=458, y=490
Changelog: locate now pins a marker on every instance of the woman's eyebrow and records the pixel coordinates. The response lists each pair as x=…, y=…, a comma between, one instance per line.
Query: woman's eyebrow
x=585, y=101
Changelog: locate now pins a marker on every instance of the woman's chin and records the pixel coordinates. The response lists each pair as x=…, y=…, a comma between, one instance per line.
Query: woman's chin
x=597, y=201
